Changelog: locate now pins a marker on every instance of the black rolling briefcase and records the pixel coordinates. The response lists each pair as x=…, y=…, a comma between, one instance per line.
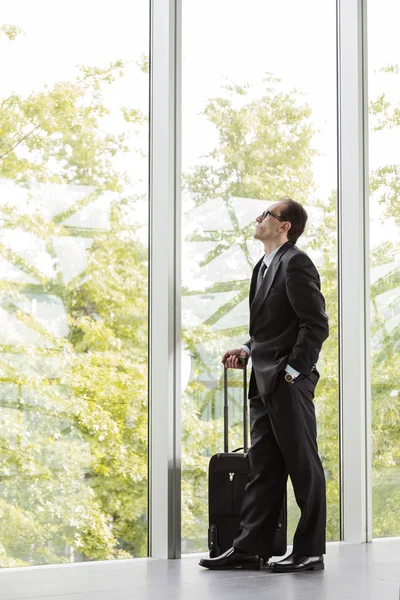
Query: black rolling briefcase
x=227, y=478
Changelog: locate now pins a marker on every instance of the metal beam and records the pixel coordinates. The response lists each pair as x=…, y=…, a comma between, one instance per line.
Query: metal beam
x=354, y=272
x=164, y=307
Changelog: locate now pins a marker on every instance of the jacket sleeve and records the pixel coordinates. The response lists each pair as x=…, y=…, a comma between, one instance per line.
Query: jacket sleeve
x=304, y=293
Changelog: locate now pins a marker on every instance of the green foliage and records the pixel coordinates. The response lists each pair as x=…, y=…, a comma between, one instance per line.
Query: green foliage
x=73, y=423
x=261, y=146
x=73, y=419
x=11, y=32
x=264, y=149
x=385, y=332
x=247, y=164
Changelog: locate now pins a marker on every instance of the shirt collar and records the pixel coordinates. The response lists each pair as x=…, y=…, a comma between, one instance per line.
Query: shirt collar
x=268, y=259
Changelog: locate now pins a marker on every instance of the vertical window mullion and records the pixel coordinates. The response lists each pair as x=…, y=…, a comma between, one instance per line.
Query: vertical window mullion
x=353, y=266
x=164, y=388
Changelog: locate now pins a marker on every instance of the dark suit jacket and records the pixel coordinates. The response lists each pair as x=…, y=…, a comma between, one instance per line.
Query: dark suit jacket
x=288, y=323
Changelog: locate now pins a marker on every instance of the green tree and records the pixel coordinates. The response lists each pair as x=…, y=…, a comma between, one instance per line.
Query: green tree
x=73, y=418
x=252, y=161
x=73, y=423
x=385, y=328
x=264, y=148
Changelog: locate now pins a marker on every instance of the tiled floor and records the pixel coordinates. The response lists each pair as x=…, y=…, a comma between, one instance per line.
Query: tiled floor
x=352, y=572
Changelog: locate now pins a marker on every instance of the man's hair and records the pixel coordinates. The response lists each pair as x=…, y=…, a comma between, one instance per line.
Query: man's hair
x=295, y=213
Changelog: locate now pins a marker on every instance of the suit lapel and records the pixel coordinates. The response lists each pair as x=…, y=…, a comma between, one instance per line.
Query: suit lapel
x=263, y=290
x=253, y=284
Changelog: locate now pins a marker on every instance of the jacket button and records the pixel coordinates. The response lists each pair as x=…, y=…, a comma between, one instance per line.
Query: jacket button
x=252, y=338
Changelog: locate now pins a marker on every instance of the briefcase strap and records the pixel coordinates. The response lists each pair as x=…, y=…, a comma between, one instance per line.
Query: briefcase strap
x=243, y=360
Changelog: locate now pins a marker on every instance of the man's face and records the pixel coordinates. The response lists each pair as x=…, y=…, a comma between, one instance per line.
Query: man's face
x=270, y=227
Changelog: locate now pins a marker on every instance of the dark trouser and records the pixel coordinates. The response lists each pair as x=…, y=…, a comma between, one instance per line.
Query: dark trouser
x=284, y=441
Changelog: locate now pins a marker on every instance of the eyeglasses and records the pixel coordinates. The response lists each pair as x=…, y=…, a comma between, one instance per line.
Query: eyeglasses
x=268, y=212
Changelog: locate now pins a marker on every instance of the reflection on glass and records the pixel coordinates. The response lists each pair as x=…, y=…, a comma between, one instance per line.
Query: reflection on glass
x=73, y=283
x=384, y=161
x=243, y=146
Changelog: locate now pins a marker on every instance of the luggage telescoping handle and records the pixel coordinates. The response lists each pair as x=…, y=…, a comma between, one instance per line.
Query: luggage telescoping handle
x=243, y=360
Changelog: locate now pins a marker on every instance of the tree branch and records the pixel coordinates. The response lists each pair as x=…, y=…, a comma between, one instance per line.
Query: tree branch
x=19, y=142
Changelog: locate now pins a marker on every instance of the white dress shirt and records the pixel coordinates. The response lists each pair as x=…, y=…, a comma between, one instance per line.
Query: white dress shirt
x=267, y=261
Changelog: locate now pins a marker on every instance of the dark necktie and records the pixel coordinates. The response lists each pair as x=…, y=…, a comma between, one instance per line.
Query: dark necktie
x=260, y=275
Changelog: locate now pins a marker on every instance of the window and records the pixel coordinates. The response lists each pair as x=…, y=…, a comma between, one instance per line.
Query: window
x=269, y=130
x=73, y=283
x=384, y=121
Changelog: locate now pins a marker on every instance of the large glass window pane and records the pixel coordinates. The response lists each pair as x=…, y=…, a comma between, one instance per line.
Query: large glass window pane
x=73, y=281
x=259, y=121
x=384, y=160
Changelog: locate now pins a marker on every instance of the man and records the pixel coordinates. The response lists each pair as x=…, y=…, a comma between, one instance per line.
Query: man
x=288, y=326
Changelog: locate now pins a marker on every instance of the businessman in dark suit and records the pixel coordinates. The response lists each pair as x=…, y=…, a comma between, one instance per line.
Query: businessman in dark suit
x=288, y=326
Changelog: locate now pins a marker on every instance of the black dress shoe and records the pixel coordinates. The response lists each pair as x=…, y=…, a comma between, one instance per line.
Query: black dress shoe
x=232, y=559
x=296, y=563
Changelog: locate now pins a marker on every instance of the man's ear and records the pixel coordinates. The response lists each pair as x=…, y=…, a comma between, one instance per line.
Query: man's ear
x=286, y=226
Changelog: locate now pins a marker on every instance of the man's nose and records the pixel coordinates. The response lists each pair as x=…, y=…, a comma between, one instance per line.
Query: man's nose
x=259, y=219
